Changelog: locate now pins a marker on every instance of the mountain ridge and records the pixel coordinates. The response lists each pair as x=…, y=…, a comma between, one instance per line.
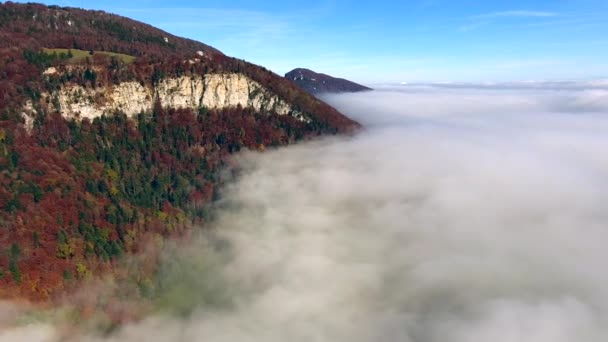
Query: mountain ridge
x=317, y=83
x=26, y=27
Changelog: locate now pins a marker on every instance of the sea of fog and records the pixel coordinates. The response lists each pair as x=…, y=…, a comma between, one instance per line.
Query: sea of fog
x=461, y=213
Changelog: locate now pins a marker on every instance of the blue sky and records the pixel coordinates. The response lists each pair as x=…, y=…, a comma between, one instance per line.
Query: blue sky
x=394, y=41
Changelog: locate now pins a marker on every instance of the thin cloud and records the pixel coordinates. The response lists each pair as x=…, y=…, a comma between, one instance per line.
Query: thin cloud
x=481, y=20
x=472, y=26
x=516, y=14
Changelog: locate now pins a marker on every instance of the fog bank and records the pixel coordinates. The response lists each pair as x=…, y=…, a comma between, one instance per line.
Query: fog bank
x=458, y=214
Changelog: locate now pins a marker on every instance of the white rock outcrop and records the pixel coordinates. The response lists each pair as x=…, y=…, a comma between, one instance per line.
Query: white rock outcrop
x=214, y=91
x=50, y=71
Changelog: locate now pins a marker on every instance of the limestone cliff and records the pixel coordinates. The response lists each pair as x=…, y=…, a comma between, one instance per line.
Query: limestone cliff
x=215, y=91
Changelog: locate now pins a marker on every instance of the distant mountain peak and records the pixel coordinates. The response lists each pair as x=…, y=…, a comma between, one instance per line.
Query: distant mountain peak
x=317, y=83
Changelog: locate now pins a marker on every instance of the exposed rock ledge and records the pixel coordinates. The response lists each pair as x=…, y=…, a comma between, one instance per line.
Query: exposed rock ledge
x=210, y=90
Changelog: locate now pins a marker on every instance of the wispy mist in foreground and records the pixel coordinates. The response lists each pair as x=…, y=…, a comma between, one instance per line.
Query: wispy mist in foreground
x=459, y=215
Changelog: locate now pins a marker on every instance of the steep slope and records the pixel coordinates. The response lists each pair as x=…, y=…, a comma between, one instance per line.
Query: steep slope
x=37, y=26
x=112, y=136
x=316, y=83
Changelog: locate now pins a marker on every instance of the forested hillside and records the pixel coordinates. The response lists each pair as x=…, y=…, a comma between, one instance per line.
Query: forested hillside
x=77, y=193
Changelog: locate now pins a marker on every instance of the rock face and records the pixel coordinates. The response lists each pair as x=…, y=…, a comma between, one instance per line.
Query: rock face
x=214, y=91
x=316, y=83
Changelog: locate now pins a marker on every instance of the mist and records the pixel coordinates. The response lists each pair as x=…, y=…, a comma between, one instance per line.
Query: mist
x=459, y=214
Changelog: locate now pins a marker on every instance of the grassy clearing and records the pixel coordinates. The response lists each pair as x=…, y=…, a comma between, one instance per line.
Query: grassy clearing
x=79, y=55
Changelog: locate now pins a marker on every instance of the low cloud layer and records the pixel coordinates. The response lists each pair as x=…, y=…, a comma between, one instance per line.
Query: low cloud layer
x=459, y=215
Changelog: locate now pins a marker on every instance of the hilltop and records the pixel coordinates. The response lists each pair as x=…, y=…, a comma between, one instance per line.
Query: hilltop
x=316, y=83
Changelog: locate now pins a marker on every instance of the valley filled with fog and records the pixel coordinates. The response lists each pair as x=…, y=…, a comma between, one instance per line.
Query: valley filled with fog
x=460, y=213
